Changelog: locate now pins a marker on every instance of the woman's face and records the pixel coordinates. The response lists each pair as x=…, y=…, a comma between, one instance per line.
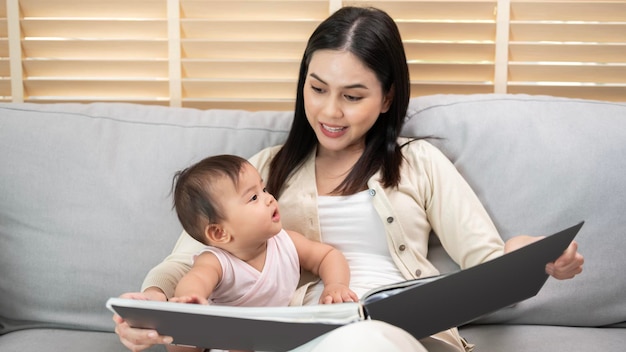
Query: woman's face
x=342, y=100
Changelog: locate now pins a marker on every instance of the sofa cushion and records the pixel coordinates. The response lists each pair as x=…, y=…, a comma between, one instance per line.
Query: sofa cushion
x=85, y=209
x=65, y=340
x=541, y=338
x=540, y=164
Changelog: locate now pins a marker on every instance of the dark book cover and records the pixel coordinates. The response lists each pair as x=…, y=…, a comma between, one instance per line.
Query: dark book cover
x=422, y=307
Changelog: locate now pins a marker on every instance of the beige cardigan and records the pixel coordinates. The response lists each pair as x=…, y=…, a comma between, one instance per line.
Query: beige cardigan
x=432, y=195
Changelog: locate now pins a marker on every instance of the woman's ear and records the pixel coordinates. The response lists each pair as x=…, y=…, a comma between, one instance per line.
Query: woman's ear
x=214, y=233
x=387, y=99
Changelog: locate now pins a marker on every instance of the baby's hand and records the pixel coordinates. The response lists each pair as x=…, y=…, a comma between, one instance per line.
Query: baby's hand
x=337, y=293
x=190, y=299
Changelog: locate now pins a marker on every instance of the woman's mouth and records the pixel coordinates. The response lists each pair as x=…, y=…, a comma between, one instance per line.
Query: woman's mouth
x=333, y=131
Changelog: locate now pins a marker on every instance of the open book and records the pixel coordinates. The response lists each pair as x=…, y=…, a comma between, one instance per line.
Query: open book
x=422, y=307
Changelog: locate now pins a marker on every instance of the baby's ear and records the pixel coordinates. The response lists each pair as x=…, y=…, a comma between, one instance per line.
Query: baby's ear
x=214, y=233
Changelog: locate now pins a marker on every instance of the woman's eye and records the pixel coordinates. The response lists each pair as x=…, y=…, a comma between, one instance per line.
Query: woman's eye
x=317, y=89
x=352, y=98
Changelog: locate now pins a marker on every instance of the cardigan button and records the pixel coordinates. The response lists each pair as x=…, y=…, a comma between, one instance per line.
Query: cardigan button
x=390, y=219
x=402, y=248
x=418, y=273
x=372, y=192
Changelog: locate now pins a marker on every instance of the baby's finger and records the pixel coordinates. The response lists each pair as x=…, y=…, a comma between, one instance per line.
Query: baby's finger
x=328, y=299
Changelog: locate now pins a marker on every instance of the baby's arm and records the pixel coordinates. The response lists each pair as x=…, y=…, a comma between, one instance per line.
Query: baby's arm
x=198, y=284
x=329, y=264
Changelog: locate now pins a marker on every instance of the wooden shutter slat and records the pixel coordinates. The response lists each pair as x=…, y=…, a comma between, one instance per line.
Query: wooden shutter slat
x=253, y=10
x=81, y=68
x=118, y=88
x=567, y=52
x=567, y=73
x=95, y=49
x=241, y=69
x=95, y=28
x=568, y=32
x=571, y=10
x=239, y=89
x=94, y=8
x=247, y=30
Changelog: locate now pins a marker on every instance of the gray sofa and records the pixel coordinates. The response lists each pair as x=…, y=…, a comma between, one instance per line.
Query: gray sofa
x=85, y=208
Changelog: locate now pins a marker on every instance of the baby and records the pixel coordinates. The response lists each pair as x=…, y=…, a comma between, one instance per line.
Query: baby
x=249, y=259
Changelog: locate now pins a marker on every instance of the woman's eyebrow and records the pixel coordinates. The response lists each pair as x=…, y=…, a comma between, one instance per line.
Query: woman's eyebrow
x=351, y=86
x=318, y=78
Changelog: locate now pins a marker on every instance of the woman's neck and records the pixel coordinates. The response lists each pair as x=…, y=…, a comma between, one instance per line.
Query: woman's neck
x=331, y=168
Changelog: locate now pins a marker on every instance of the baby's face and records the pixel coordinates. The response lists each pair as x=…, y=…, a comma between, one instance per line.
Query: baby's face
x=251, y=214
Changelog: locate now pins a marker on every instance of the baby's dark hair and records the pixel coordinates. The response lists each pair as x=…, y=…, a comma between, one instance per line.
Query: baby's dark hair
x=194, y=196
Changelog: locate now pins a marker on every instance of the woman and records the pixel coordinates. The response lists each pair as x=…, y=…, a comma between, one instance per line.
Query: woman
x=345, y=178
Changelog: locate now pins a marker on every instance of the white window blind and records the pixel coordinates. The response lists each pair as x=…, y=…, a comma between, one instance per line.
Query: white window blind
x=568, y=48
x=245, y=54
x=88, y=50
x=450, y=45
x=5, y=70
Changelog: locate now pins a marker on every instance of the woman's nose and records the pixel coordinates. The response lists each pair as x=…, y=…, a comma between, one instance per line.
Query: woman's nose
x=333, y=108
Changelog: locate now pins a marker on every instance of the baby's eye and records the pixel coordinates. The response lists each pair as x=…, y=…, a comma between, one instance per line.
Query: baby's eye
x=254, y=197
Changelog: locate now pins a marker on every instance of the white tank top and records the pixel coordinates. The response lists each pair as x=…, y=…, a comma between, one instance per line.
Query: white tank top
x=352, y=225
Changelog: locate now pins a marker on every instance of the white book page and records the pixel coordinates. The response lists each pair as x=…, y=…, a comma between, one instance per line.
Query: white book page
x=340, y=313
x=392, y=289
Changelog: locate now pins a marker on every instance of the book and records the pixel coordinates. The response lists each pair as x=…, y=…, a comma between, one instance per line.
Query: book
x=422, y=307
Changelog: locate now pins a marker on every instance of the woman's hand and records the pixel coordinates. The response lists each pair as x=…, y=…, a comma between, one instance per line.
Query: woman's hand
x=568, y=265
x=140, y=339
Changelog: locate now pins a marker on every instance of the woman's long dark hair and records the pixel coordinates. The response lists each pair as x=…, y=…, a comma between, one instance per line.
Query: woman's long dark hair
x=373, y=37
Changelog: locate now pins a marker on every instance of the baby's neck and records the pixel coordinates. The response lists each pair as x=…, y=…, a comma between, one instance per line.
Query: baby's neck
x=255, y=257
x=258, y=262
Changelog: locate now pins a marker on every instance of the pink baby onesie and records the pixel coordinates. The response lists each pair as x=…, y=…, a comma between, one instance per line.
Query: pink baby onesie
x=243, y=285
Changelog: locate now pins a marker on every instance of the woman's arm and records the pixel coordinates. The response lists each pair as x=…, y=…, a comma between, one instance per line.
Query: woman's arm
x=158, y=285
x=166, y=275
x=453, y=209
x=568, y=265
x=465, y=228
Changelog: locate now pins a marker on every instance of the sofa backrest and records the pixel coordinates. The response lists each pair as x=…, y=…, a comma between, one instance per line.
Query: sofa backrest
x=85, y=206
x=85, y=209
x=540, y=164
